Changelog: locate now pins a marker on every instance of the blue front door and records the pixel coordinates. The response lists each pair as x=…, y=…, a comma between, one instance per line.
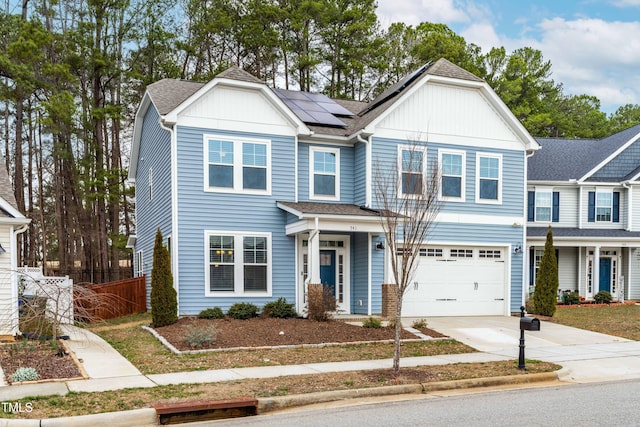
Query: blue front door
x=328, y=269
x=605, y=275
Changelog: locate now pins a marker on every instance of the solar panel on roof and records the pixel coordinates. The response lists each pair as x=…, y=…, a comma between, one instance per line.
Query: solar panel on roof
x=313, y=108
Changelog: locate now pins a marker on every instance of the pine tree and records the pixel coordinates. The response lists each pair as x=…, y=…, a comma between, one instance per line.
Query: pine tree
x=164, y=303
x=545, y=294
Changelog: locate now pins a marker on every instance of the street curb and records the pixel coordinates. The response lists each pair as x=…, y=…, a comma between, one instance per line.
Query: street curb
x=148, y=417
x=268, y=404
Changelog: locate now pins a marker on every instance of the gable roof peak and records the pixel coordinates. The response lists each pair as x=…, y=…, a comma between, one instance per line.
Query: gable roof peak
x=236, y=73
x=445, y=68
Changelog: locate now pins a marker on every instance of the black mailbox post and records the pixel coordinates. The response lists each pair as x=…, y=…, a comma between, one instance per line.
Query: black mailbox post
x=526, y=324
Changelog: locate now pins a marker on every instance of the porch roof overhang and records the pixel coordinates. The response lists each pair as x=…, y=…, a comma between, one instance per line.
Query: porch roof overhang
x=585, y=237
x=331, y=217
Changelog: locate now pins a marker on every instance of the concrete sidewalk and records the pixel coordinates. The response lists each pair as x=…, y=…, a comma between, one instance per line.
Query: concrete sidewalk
x=585, y=357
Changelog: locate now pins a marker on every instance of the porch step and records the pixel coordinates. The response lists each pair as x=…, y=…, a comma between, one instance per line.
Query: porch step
x=203, y=410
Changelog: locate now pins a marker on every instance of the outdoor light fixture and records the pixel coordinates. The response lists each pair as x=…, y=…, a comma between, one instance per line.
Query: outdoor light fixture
x=517, y=249
x=380, y=246
x=2, y=250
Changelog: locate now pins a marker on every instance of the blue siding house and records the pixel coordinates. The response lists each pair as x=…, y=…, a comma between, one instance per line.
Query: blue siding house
x=261, y=191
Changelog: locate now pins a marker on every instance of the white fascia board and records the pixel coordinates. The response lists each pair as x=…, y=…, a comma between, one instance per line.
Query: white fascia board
x=334, y=224
x=137, y=133
x=611, y=157
x=531, y=183
x=15, y=221
x=172, y=117
x=516, y=221
x=7, y=207
x=328, y=139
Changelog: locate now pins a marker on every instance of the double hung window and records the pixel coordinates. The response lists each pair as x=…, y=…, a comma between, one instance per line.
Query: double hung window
x=412, y=169
x=489, y=177
x=241, y=165
x=324, y=176
x=452, y=164
x=238, y=263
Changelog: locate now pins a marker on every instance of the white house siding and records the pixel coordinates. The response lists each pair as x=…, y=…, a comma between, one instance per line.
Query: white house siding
x=607, y=225
x=568, y=268
x=635, y=223
x=8, y=302
x=200, y=211
x=449, y=114
x=236, y=109
x=155, y=212
x=568, y=214
x=633, y=277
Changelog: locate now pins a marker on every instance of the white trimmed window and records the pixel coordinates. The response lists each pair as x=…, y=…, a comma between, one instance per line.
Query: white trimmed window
x=604, y=206
x=411, y=166
x=452, y=166
x=237, y=165
x=544, y=204
x=238, y=263
x=488, y=178
x=324, y=173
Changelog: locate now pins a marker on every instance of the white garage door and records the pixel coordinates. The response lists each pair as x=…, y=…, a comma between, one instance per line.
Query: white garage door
x=458, y=281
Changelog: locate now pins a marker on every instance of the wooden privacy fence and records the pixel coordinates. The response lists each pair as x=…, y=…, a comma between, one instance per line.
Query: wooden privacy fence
x=95, y=302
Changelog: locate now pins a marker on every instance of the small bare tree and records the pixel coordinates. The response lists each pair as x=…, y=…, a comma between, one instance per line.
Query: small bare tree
x=407, y=195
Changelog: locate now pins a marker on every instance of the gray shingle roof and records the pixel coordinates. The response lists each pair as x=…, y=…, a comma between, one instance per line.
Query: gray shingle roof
x=317, y=208
x=565, y=159
x=167, y=94
x=6, y=190
x=559, y=233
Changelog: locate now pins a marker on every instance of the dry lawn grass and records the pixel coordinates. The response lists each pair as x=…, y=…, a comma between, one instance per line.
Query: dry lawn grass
x=618, y=320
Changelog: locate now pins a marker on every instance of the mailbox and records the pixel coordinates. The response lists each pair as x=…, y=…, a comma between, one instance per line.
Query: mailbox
x=529, y=324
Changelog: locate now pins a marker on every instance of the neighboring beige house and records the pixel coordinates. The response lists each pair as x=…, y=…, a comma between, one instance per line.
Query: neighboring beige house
x=12, y=223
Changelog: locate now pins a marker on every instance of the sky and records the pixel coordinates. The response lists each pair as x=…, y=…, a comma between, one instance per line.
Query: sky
x=593, y=45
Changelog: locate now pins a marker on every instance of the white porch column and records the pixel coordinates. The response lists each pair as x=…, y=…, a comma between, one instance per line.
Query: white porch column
x=314, y=255
x=595, y=280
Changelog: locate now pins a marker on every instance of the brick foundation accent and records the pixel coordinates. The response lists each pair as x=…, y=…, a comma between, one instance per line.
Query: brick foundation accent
x=389, y=301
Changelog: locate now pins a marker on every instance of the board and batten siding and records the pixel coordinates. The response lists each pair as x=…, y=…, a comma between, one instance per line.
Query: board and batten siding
x=155, y=212
x=200, y=211
x=449, y=114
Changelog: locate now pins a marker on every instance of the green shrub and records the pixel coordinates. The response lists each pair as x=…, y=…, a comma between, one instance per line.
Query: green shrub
x=242, y=310
x=571, y=298
x=197, y=337
x=164, y=301
x=280, y=309
x=211, y=313
x=419, y=323
x=545, y=295
x=372, y=322
x=602, y=297
x=25, y=374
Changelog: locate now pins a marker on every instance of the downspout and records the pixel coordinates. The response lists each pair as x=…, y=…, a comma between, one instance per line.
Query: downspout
x=367, y=192
x=174, y=208
x=524, y=246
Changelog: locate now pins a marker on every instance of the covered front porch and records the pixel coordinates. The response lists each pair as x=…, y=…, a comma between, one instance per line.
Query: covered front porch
x=590, y=261
x=340, y=246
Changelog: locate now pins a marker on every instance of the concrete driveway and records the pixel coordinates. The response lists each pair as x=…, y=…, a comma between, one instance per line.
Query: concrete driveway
x=585, y=356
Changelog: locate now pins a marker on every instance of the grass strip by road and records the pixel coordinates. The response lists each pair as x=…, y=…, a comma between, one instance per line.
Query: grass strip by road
x=74, y=404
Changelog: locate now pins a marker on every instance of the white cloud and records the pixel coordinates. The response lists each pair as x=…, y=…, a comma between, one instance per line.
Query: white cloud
x=412, y=12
